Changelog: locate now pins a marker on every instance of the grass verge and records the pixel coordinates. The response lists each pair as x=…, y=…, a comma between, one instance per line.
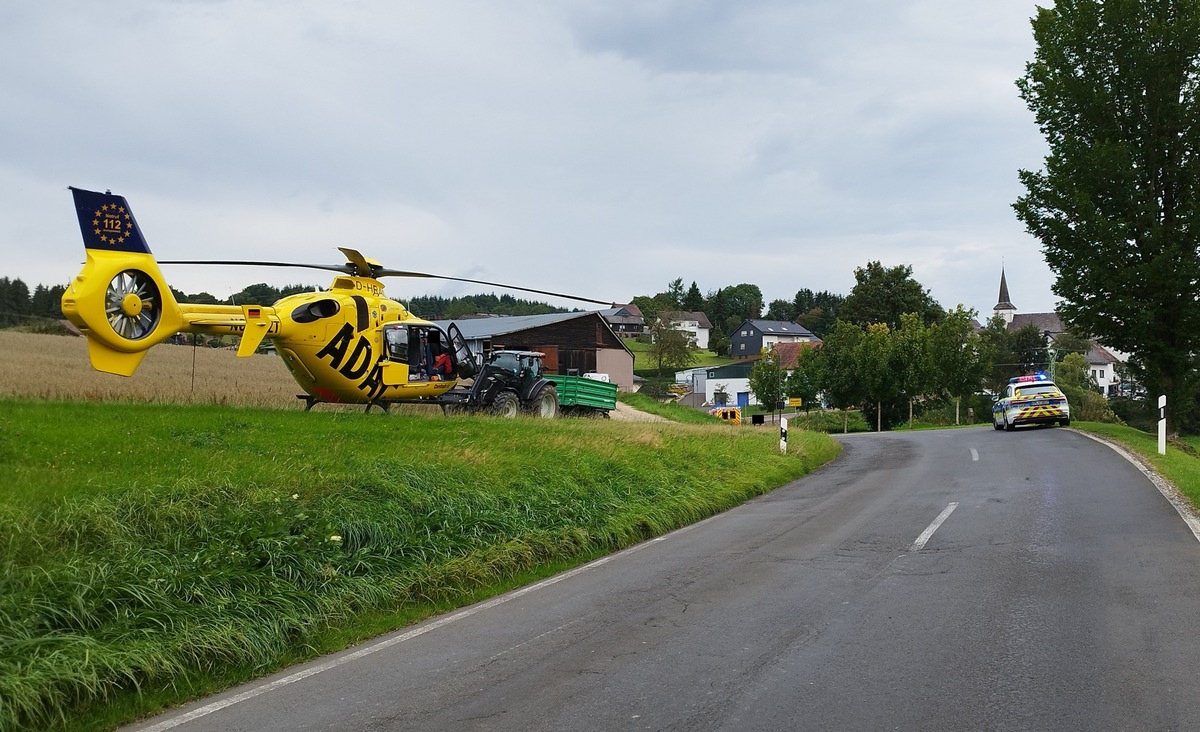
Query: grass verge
x=152, y=552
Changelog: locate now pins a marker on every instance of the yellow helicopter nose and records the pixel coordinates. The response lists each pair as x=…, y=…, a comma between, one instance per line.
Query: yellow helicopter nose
x=131, y=305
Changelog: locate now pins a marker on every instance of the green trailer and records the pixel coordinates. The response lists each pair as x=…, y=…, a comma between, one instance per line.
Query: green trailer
x=582, y=396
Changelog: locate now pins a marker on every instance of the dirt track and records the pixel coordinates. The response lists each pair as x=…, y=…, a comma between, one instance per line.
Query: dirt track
x=625, y=413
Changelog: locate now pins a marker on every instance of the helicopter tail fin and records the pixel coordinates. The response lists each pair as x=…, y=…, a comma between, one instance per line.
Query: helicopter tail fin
x=120, y=299
x=107, y=223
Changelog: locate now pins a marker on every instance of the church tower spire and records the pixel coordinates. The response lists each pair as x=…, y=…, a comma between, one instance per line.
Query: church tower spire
x=1004, y=306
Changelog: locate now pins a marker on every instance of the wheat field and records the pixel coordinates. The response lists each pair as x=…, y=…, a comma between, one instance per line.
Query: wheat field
x=54, y=367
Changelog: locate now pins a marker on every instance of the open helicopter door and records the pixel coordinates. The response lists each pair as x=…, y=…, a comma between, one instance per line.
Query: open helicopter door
x=466, y=364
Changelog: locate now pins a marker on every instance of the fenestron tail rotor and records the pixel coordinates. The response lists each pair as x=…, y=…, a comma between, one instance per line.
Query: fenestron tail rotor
x=133, y=304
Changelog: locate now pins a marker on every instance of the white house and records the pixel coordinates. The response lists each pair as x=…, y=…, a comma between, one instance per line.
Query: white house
x=694, y=324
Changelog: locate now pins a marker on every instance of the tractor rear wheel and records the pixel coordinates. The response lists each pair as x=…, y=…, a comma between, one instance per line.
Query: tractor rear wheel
x=506, y=405
x=545, y=403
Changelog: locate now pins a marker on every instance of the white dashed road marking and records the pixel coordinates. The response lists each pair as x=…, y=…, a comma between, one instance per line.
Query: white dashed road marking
x=928, y=532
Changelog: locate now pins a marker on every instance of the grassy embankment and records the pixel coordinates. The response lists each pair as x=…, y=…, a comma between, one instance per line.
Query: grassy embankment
x=154, y=552
x=643, y=360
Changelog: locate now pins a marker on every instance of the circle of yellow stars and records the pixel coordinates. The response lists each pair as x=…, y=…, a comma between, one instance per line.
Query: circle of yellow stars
x=114, y=210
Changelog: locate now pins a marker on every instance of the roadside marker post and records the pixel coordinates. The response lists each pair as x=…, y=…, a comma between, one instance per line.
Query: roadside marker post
x=783, y=435
x=1162, y=424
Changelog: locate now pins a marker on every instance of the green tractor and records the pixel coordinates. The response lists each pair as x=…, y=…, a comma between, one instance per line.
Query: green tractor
x=514, y=382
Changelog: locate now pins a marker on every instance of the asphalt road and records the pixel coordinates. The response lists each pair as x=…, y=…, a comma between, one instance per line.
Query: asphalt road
x=951, y=580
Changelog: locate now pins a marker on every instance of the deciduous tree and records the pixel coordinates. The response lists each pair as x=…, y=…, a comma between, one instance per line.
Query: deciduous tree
x=960, y=358
x=766, y=380
x=671, y=348
x=873, y=364
x=911, y=360
x=1114, y=87
x=839, y=373
x=804, y=382
x=882, y=294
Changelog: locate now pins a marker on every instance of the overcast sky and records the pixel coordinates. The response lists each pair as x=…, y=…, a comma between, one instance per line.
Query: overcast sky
x=597, y=147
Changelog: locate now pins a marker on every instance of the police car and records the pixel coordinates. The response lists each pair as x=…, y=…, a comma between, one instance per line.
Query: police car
x=1032, y=399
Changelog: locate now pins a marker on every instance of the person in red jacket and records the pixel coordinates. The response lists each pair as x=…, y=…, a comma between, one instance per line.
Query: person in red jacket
x=439, y=363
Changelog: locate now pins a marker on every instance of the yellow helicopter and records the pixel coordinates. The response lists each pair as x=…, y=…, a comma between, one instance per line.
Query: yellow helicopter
x=348, y=344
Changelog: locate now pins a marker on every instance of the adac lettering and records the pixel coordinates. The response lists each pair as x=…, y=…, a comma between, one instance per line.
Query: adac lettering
x=354, y=362
x=373, y=384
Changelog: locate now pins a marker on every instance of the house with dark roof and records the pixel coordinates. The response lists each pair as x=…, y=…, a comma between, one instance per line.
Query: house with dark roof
x=753, y=335
x=579, y=342
x=625, y=320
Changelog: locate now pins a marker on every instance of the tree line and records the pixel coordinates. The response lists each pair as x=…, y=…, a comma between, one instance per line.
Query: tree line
x=890, y=349
x=880, y=294
x=20, y=306
x=895, y=374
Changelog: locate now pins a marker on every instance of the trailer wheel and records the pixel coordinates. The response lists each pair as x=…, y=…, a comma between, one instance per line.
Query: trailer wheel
x=545, y=403
x=506, y=405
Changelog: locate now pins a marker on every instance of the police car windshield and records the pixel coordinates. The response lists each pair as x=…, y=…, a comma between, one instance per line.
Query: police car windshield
x=1033, y=389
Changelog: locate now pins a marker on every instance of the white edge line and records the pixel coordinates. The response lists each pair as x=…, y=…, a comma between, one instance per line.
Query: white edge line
x=392, y=640
x=1182, y=506
x=928, y=532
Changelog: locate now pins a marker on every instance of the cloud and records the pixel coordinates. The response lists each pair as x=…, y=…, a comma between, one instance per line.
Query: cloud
x=599, y=148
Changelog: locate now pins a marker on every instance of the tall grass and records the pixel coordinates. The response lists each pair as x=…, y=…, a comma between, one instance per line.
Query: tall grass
x=40, y=366
x=143, y=546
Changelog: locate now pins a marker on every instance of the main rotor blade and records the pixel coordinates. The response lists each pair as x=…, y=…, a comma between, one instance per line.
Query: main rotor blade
x=359, y=267
x=343, y=268
x=401, y=273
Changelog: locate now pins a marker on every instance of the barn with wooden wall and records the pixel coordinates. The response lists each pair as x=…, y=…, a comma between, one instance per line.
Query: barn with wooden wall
x=573, y=342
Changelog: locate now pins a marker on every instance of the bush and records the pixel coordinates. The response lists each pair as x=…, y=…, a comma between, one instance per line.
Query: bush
x=657, y=387
x=976, y=409
x=834, y=420
x=1137, y=413
x=1088, y=406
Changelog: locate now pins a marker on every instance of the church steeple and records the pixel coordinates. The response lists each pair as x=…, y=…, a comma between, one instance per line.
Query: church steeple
x=1004, y=306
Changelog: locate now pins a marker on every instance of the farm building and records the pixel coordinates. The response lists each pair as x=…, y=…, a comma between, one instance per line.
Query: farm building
x=580, y=342
x=733, y=379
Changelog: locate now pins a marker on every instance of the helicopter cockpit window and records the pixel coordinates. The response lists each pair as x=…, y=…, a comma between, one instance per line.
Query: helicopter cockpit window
x=396, y=337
